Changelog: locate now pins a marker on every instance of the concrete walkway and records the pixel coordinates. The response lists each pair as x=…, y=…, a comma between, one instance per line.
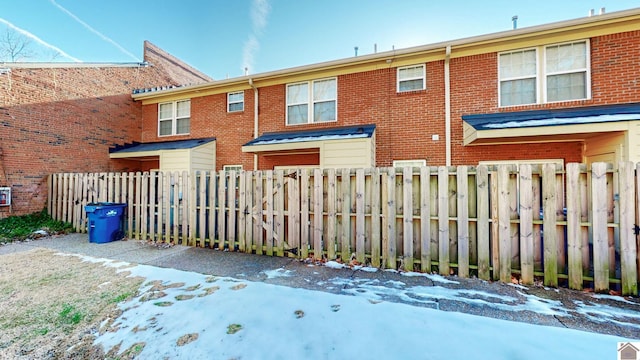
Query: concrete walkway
x=555, y=307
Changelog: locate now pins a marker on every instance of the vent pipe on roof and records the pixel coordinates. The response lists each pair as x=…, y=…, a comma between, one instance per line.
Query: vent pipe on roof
x=355, y=48
x=514, y=19
x=375, y=48
x=601, y=11
x=591, y=12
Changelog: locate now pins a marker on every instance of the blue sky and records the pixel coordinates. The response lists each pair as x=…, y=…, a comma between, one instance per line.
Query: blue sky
x=222, y=37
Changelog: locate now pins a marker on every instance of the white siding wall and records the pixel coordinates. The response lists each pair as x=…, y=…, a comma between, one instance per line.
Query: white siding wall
x=203, y=158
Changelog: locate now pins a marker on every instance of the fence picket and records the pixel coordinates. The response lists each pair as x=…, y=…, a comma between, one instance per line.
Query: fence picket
x=390, y=249
x=504, y=223
x=482, y=203
x=279, y=209
x=628, y=246
x=202, y=207
x=574, y=240
x=526, y=225
x=375, y=218
x=345, y=238
x=463, y=220
x=407, y=218
x=550, y=239
x=332, y=217
x=317, y=214
x=304, y=213
x=242, y=210
x=443, y=220
x=360, y=223
x=599, y=223
x=268, y=223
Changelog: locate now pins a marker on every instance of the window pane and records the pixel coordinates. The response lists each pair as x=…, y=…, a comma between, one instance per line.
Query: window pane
x=236, y=106
x=411, y=72
x=236, y=97
x=518, y=64
x=516, y=92
x=297, y=114
x=409, y=85
x=324, y=111
x=165, y=127
x=566, y=87
x=566, y=57
x=297, y=93
x=184, y=108
x=165, y=111
x=324, y=90
x=182, y=126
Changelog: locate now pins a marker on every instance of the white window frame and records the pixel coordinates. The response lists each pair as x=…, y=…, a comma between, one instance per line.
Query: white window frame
x=228, y=168
x=233, y=102
x=542, y=73
x=174, y=117
x=409, y=162
x=311, y=102
x=423, y=77
x=586, y=70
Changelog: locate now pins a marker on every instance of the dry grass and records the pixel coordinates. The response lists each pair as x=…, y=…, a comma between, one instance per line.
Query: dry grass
x=51, y=306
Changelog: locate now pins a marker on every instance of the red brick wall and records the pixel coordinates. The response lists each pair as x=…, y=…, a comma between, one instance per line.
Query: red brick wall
x=406, y=122
x=65, y=119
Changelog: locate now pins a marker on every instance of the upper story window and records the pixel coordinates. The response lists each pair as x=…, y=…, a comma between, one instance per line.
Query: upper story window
x=411, y=78
x=545, y=74
x=174, y=118
x=312, y=101
x=235, y=101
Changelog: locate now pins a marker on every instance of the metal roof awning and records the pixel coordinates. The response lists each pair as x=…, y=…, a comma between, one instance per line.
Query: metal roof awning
x=572, y=124
x=292, y=140
x=135, y=150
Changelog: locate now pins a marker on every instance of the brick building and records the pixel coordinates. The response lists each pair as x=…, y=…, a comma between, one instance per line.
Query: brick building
x=561, y=92
x=63, y=117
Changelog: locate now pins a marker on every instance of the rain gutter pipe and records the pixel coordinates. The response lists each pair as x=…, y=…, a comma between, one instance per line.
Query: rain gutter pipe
x=255, y=120
x=447, y=106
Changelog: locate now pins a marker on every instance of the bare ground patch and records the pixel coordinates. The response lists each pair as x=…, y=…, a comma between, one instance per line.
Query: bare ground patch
x=51, y=306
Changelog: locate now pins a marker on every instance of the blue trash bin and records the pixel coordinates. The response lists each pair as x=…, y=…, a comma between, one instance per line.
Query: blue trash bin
x=105, y=221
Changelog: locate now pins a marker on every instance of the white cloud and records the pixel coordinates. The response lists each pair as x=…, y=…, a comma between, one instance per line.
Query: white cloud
x=88, y=27
x=38, y=40
x=259, y=16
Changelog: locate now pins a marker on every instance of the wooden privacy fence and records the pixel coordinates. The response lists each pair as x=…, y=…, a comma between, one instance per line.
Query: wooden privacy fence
x=572, y=226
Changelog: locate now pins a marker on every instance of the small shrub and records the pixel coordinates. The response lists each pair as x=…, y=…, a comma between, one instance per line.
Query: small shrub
x=15, y=228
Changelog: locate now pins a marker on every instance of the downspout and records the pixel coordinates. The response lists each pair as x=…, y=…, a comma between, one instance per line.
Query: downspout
x=255, y=120
x=447, y=106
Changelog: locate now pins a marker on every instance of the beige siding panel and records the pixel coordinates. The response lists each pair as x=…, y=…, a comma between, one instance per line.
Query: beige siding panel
x=346, y=153
x=175, y=160
x=203, y=158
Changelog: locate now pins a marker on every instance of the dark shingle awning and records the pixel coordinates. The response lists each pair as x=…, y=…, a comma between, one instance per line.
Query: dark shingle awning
x=553, y=117
x=338, y=133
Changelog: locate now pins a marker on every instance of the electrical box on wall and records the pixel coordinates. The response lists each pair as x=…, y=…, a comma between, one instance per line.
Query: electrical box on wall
x=5, y=196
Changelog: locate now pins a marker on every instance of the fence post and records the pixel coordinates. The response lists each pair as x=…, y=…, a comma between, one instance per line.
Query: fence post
x=504, y=223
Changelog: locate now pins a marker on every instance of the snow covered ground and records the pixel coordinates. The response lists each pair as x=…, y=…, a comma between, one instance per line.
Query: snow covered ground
x=186, y=315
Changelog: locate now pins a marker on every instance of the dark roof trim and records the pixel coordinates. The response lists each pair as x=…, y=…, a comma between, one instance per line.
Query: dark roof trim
x=338, y=133
x=163, y=145
x=552, y=117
